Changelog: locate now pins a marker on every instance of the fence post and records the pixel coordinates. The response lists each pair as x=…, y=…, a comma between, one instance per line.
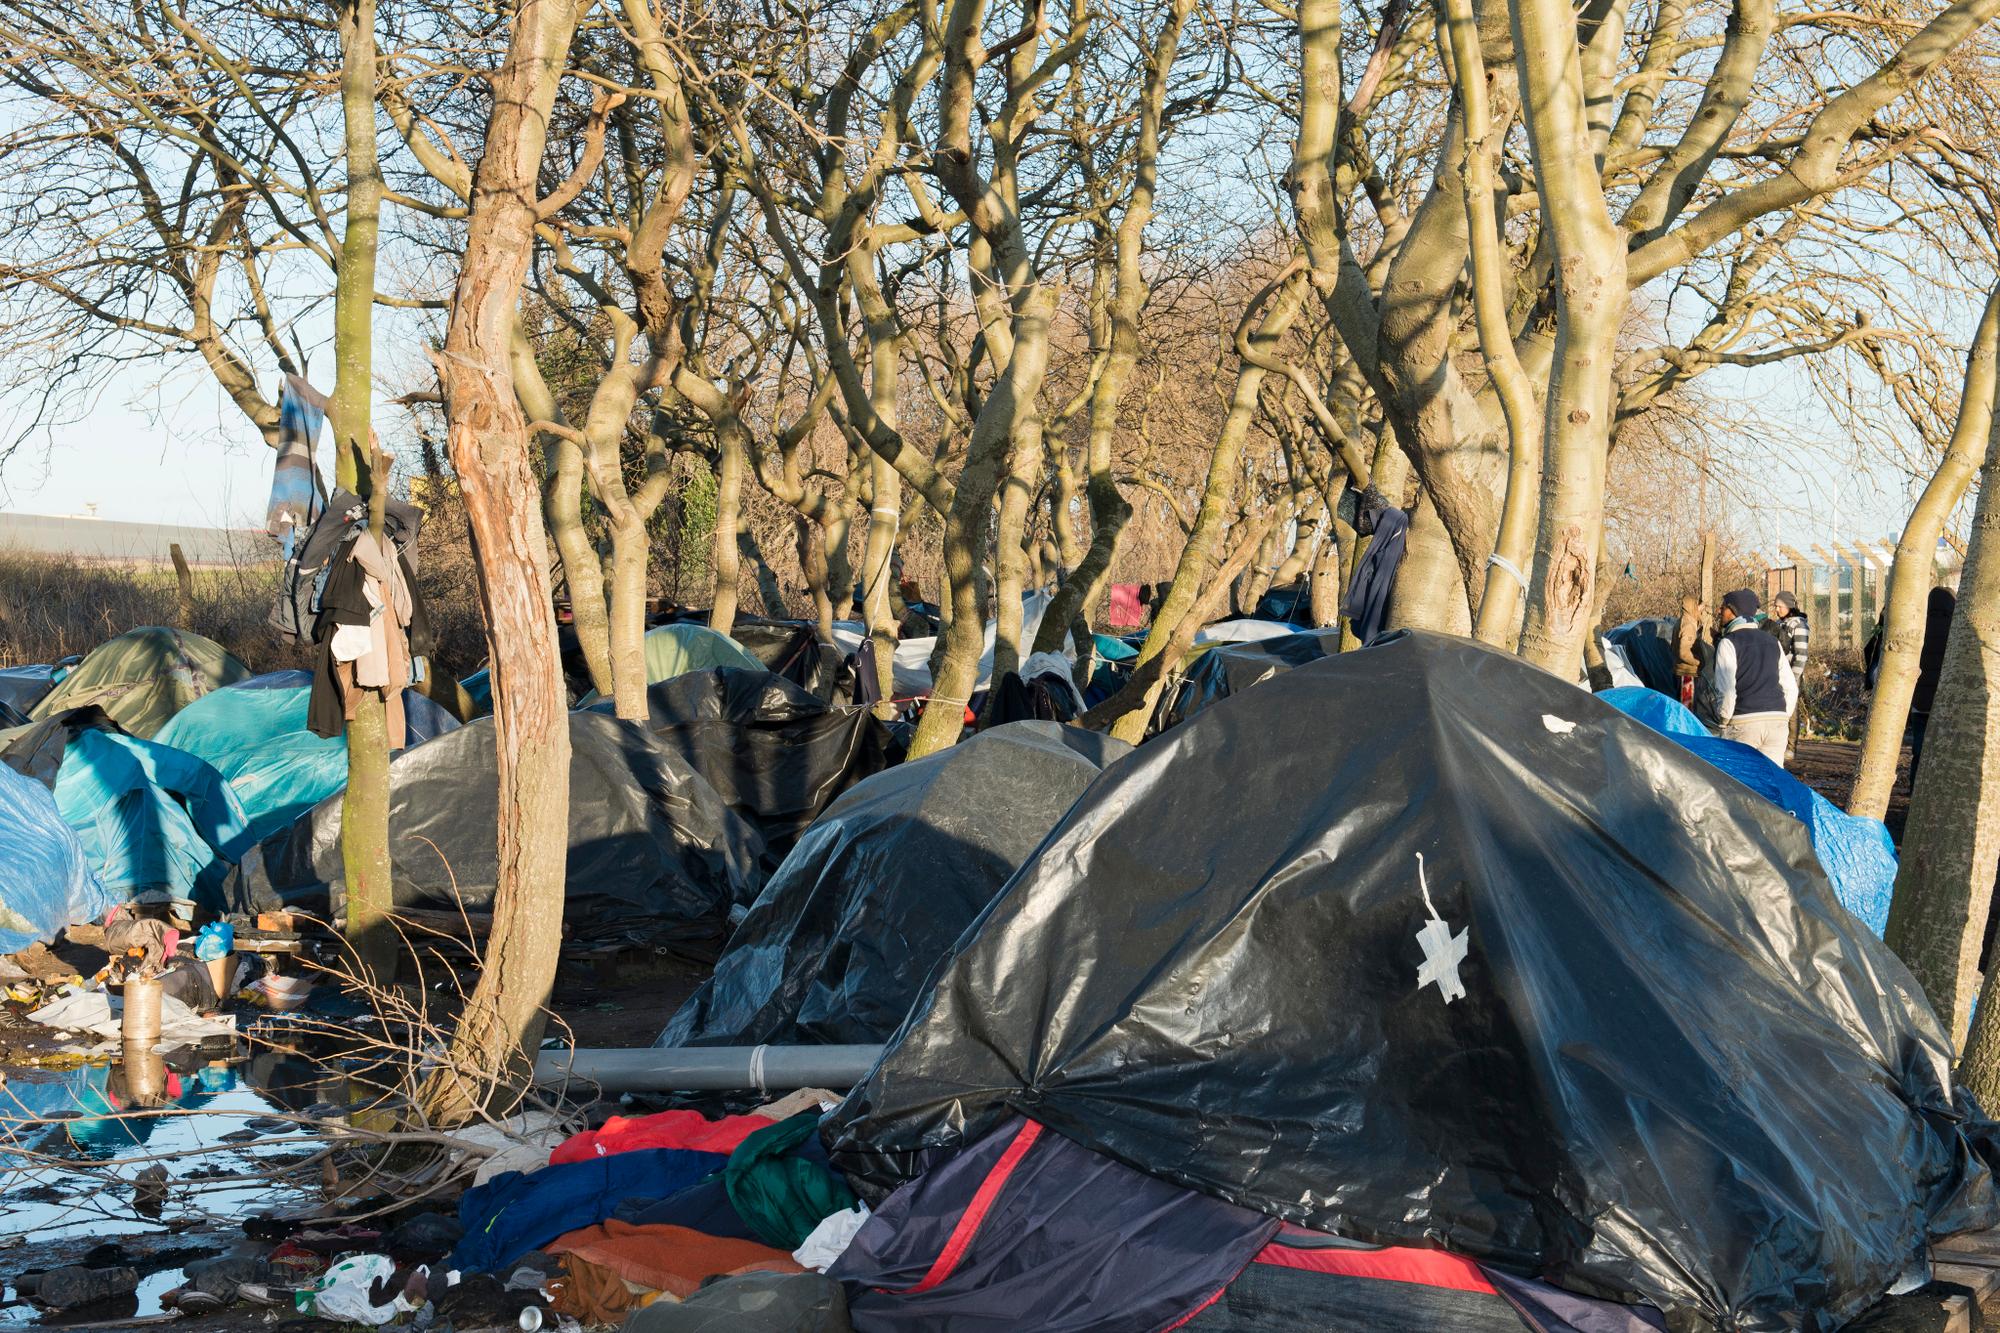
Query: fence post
x=185, y=578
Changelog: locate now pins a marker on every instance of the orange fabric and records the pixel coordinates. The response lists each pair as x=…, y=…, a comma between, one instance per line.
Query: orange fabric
x=589, y=1293
x=688, y=1130
x=672, y=1259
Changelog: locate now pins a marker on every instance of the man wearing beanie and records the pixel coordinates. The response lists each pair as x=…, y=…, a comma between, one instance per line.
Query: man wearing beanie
x=1754, y=688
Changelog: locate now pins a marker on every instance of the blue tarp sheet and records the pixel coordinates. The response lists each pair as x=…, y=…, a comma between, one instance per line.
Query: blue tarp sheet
x=1858, y=854
x=256, y=738
x=47, y=881
x=149, y=816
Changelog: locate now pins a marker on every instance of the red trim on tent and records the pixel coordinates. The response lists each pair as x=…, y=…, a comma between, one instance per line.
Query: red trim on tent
x=975, y=1212
x=1425, y=1268
x=1213, y=1297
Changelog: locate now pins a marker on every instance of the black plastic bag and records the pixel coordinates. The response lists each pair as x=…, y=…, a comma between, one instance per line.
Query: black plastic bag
x=652, y=850
x=1618, y=1035
x=883, y=884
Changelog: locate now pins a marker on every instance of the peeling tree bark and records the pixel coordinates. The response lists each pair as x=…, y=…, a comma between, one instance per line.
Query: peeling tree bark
x=492, y=1053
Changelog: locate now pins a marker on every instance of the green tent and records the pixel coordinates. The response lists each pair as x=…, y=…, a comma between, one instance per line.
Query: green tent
x=143, y=677
x=675, y=650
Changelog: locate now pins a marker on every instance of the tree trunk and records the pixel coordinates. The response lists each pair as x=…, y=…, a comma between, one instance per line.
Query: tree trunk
x=1430, y=583
x=1502, y=599
x=1591, y=297
x=364, y=826
x=1010, y=554
x=492, y=1052
x=1910, y=576
x=1109, y=510
x=562, y=506
x=986, y=455
x=1951, y=844
x=630, y=552
x=885, y=517
x=1327, y=586
x=183, y=586
x=728, y=519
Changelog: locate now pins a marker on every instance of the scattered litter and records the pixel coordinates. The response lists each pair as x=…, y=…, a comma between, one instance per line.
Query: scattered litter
x=102, y=1014
x=830, y=1239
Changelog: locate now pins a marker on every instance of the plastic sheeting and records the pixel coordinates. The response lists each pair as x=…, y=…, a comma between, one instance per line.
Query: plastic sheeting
x=652, y=850
x=1619, y=1036
x=880, y=888
x=1648, y=646
x=1233, y=668
x=255, y=735
x=22, y=687
x=913, y=656
x=777, y=754
x=48, y=883
x=149, y=818
x=143, y=677
x=1858, y=854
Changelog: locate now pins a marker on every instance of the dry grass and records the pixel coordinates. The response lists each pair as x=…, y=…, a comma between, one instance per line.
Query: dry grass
x=52, y=607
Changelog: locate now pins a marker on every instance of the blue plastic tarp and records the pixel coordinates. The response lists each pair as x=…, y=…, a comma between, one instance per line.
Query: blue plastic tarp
x=148, y=816
x=424, y=718
x=255, y=736
x=48, y=882
x=1857, y=854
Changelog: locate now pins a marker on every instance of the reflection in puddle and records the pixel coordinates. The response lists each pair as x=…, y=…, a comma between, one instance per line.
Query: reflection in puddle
x=199, y=1128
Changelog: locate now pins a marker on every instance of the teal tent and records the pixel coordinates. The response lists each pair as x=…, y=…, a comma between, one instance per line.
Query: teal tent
x=258, y=741
x=150, y=818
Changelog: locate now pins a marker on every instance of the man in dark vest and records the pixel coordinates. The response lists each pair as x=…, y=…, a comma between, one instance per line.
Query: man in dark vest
x=1754, y=689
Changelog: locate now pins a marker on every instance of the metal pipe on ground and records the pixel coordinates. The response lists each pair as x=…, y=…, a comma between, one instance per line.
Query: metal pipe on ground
x=710, y=1068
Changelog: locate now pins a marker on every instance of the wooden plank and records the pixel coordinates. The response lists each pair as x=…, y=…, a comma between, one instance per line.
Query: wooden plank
x=1983, y=1282
x=1977, y=1247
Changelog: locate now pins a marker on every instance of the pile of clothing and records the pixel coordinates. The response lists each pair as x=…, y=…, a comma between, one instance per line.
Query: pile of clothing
x=647, y=1212
x=352, y=590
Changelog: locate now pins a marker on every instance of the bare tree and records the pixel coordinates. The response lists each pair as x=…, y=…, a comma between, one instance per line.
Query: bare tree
x=489, y=439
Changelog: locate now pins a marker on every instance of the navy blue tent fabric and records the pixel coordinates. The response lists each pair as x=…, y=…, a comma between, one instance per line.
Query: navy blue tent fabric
x=1027, y=1222
x=518, y=1211
x=703, y=1206
x=22, y=687
x=1858, y=854
x=1649, y=648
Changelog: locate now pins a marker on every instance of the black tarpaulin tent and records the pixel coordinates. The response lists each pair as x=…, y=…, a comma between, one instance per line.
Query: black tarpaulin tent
x=882, y=885
x=652, y=850
x=777, y=754
x=1618, y=1034
x=1231, y=668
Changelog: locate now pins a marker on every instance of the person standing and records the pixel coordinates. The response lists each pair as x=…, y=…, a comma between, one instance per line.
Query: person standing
x=1788, y=621
x=1794, y=633
x=1754, y=687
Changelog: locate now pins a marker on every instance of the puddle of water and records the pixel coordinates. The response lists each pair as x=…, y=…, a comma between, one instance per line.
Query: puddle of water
x=57, y=1202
